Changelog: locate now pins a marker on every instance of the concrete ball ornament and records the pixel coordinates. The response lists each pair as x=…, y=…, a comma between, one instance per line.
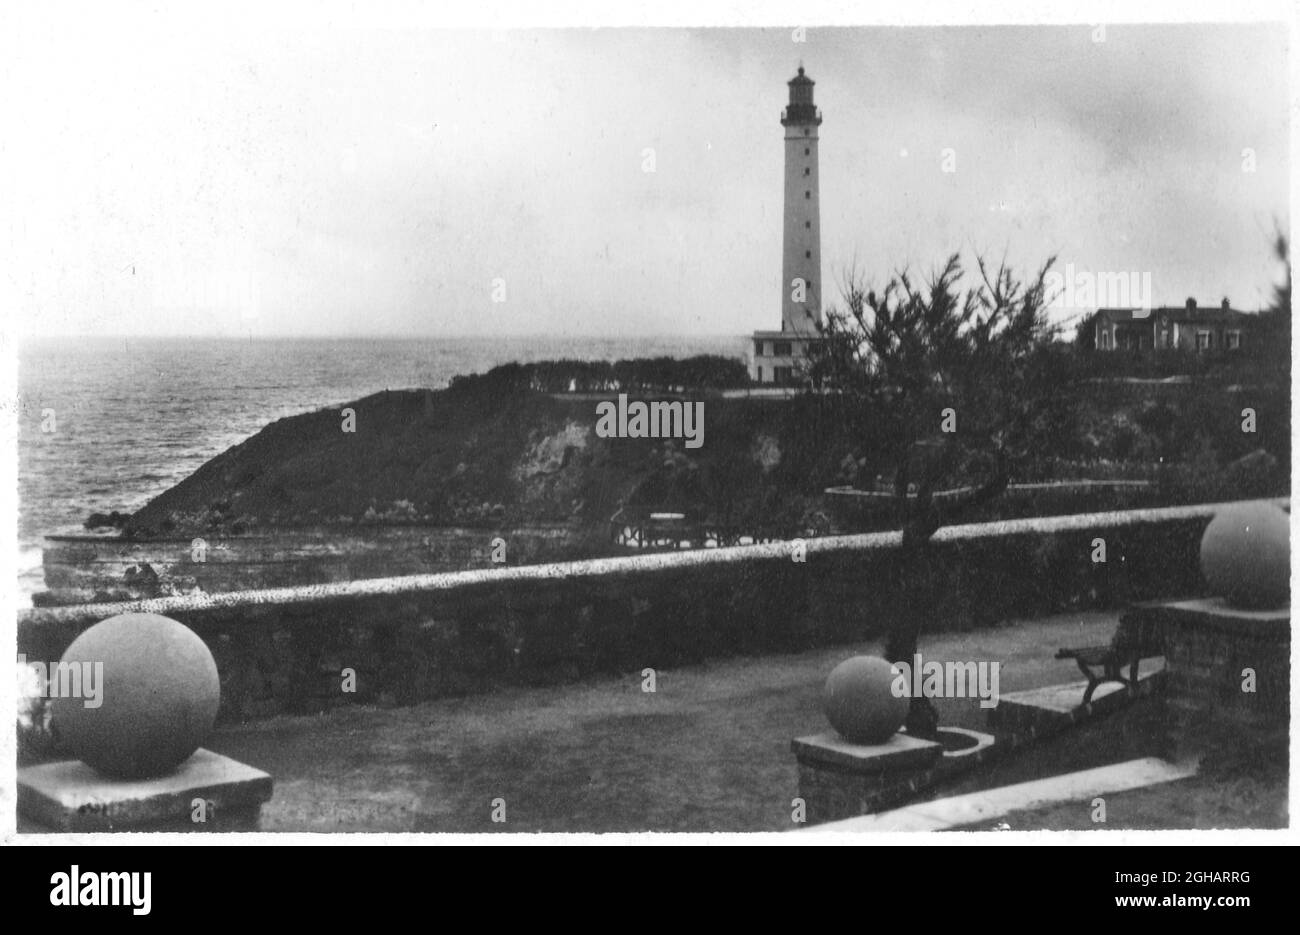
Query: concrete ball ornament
x=1246, y=555
x=859, y=700
x=149, y=696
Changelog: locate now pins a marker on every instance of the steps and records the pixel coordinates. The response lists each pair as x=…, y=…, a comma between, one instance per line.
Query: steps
x=1025, y=716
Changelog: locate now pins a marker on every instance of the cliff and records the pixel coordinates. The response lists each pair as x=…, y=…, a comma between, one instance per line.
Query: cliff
x=489, y=453
x=492, y=452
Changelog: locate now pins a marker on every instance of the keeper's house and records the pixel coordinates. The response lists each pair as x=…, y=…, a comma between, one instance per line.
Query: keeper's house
x=1188, y=328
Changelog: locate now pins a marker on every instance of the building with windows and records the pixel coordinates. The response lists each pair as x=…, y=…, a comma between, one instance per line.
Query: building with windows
x=777, y=356
x=1188, y=328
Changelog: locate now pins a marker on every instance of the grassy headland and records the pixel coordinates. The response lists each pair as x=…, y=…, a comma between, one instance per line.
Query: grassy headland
x=504, y=449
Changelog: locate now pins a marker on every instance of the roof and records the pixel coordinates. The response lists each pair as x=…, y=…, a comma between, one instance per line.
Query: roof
x=1213, y=314
x=801, y=78
x=787, y=336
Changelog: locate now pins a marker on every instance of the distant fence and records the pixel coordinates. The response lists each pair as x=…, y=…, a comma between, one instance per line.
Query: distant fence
x=422, y=636
x=657, y=531
x=864, y=510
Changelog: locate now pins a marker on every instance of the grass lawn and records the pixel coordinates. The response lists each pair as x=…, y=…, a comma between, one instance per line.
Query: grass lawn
x=709, y=750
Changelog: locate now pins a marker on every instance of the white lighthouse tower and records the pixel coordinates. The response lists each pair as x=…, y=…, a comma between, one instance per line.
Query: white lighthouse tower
x=777, y=354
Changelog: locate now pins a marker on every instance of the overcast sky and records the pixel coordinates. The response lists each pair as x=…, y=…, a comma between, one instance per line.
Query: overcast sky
x=290, y=181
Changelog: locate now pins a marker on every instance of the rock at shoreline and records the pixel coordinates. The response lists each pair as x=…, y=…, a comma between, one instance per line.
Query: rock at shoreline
x=113, y=520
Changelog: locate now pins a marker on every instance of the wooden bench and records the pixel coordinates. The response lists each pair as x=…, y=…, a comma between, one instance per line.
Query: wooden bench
x=1135, y=639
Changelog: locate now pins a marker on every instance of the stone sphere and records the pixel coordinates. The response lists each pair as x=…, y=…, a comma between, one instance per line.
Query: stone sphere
x=158, y=694
x=859, y=700
x=1246, y=555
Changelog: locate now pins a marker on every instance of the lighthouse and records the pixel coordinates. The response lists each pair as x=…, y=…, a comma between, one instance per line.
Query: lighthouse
x=777, y=355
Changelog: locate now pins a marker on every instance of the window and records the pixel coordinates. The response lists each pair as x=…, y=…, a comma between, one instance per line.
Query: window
x=807, y=194
x=767, y=348
x=1105, y=341
x=807, y=225
x=807, y=254
x=1233, y=340
x=782, y=349
x=807, y=171
x=805, y=131
x=1204, y=340
x=807, y=151
x=783, y=374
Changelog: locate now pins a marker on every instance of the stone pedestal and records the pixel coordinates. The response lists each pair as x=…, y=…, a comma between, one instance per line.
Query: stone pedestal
x=838, y=779
x=70, y=796
x=1213, y=705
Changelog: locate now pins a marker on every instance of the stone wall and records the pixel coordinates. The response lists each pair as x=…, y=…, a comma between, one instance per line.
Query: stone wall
x=422, y=636
x=87, y=568
x=1229, y=681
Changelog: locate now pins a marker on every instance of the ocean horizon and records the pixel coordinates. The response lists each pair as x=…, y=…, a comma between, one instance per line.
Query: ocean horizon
x=132, y=416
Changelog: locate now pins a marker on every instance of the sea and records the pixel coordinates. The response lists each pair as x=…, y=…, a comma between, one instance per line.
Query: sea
x=109, y=423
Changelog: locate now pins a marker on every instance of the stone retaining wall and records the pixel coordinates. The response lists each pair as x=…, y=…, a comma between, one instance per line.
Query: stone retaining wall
x=422, y=636
x=1229, y=674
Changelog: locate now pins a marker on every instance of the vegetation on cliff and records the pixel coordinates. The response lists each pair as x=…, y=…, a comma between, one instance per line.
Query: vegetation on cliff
x=482, y=454
x=492, y=451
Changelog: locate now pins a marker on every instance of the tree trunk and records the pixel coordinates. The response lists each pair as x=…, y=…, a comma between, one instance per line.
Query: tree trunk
x=916, y=611
x=922, y=517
